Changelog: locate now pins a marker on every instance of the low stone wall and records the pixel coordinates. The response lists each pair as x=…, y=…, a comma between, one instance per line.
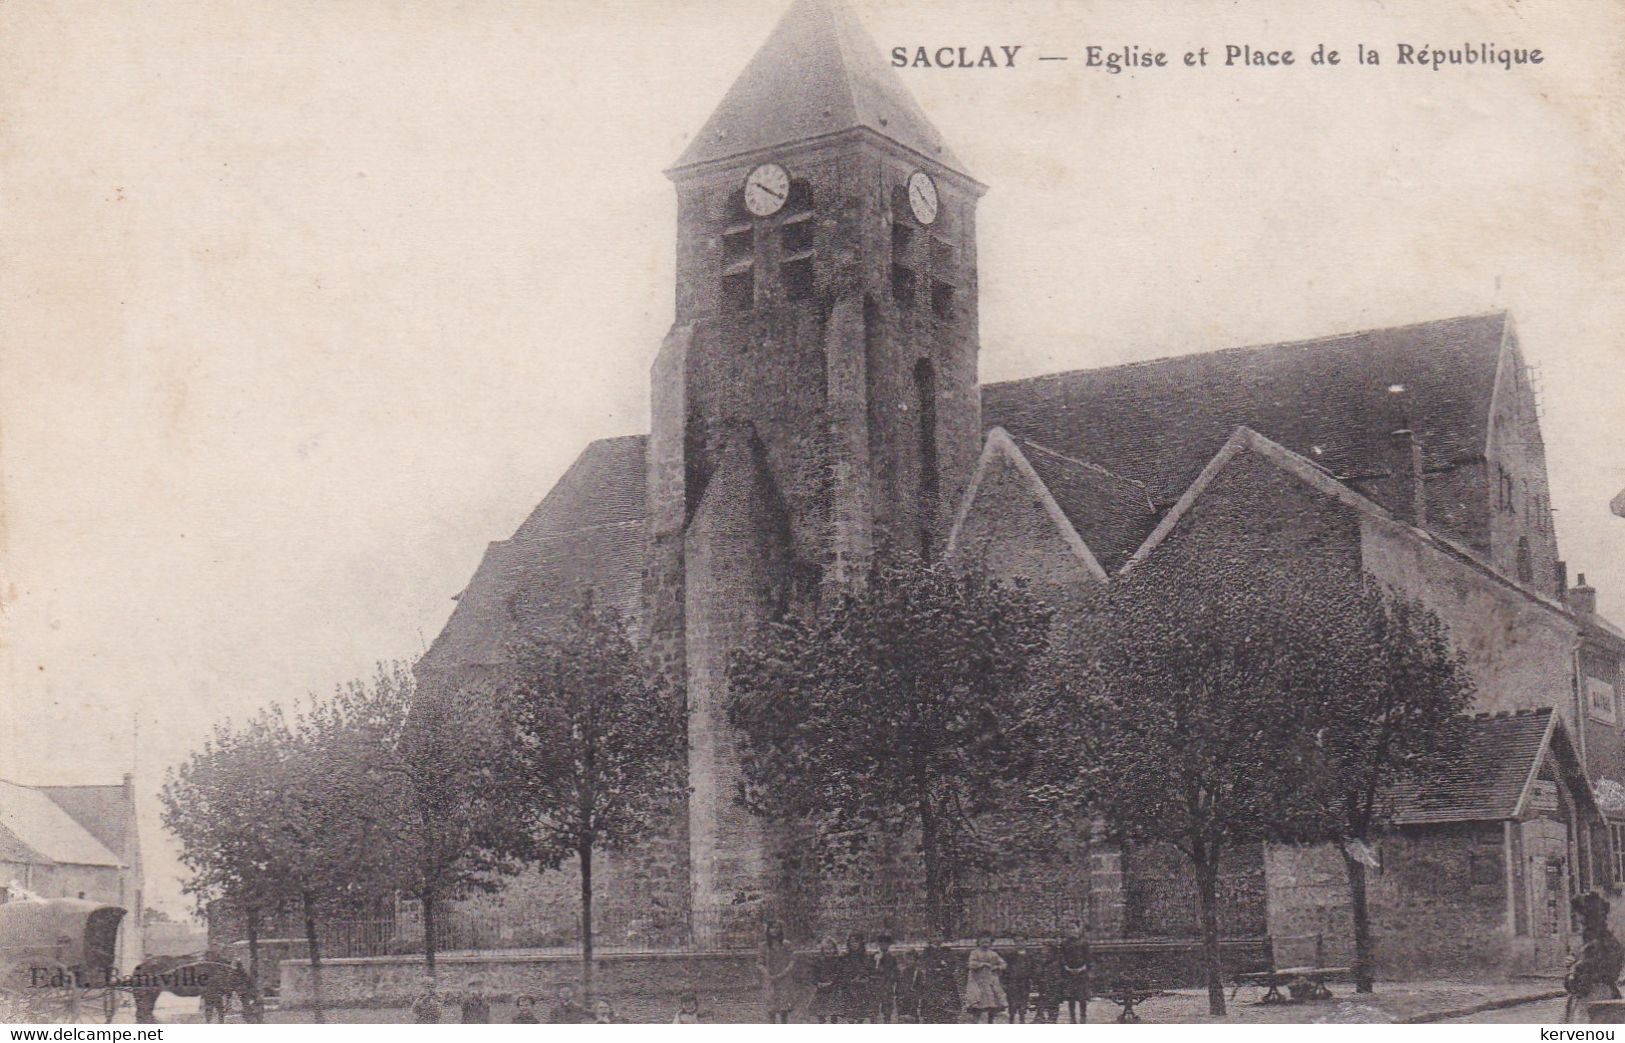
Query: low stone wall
x=646, y=987
x=642, y=987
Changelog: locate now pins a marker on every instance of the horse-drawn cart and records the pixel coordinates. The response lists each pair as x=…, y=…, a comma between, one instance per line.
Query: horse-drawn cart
x=57, y=959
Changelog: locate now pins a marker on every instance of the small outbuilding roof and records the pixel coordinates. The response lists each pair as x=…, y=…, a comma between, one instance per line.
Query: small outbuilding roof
x=40, y=824
x=1493, y=763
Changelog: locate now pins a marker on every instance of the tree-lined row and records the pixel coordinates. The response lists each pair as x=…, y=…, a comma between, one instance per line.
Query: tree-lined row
x=1203, y=708
x=389, y=787
x=1207, y=708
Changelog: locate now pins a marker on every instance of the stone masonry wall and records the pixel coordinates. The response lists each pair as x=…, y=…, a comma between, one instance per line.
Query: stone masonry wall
x=1438, y=904
x=1009, y=532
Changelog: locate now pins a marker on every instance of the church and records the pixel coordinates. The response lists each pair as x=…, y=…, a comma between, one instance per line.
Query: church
x=816, y=403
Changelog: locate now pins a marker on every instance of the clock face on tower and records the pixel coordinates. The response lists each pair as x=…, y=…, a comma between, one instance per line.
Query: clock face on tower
x=766, y=190
x=922, y=197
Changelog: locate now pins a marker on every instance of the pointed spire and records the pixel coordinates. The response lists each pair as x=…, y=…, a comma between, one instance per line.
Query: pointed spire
x=817, y=74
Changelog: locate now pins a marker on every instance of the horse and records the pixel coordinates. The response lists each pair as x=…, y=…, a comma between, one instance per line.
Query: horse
x=206, y=974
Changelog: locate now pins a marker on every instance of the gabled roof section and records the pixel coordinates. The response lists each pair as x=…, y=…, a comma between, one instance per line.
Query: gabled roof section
x=38, y=823
x=587, y=531
x=12, y=849
x=1111, y=514
x=819, y=73
x=105, y=811
x=1490, y=768
x=1000, y=445
x=1245, y=439
x=1317, y=478
x=1328, y=400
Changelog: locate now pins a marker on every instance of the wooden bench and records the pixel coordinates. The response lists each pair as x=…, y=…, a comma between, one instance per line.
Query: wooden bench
x=1135, y=971
x=1311, y=976
x=1127, y=996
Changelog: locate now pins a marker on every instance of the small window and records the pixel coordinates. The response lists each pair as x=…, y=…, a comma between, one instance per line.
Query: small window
x=942, y=255
x=902, y=239
x=798, y=279
x=1616, y=837
x=1526, y=561
x=942, y=301
x=798, y=236
x=801, y=197
x=902, y=285
x=738, y=244
x=1484, y=868
x=739, y=290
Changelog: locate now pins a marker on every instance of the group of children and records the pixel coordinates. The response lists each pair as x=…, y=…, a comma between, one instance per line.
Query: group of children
x=856, y=985
x=931, y=986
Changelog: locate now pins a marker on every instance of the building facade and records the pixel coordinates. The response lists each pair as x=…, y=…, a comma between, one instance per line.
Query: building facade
x=75, y=842
x=817, y=403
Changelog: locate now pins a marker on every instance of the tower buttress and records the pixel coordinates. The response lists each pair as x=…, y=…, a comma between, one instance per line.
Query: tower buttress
x=816, y=402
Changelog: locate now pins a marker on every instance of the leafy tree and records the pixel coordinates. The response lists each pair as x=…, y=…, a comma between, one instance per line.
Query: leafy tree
x=1196, y=693
x=219, y=809
x=1386, y=706
x=903, y=706
x=598, y=748
x=429, y=770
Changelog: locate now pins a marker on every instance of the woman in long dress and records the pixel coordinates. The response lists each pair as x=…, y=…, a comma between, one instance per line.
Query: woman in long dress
x=984, y=994
x=1595, y=972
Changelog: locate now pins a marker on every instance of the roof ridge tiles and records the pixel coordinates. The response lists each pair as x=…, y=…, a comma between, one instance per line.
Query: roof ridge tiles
x=1239, y=349
x=1089, y=465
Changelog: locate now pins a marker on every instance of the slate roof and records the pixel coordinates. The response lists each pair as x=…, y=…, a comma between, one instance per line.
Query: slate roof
x=105, y=811
x=1114, y=446
x=818, y=73
x=1112, y=515
x=40, y=824
x=1160, y=422
x=587, y=531
x=1494, y=756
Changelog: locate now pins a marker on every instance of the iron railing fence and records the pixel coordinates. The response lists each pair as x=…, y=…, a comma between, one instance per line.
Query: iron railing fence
x=1004, y=916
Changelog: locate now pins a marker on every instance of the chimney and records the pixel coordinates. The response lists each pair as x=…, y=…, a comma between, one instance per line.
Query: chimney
x=1583, y=597
x=1405, y=495
x=1401, y=492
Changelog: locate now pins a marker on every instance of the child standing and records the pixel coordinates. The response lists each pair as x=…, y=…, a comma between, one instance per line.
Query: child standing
x=1018, y=983
x=776, y=967
x=826, y=976
x=984, y=995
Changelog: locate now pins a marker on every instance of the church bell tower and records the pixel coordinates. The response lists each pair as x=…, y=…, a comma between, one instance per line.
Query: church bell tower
x=816, y=401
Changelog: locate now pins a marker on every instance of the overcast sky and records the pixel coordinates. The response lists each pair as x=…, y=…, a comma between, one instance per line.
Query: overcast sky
x=304, y=303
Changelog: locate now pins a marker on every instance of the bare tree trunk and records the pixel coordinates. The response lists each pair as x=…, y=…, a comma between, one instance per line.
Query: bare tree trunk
x=937, y=902
x=431, y=933
x=1207, y=889
x=1360, y=911
x=584, y=852
x=318, y=1009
